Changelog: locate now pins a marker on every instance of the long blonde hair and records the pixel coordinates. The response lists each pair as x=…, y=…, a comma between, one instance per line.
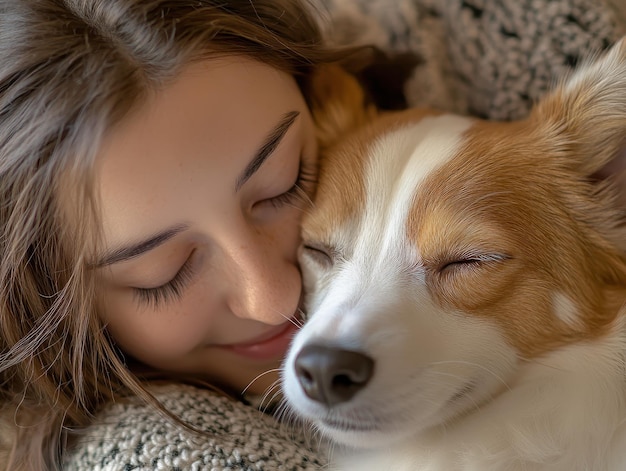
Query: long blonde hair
x=69, y=70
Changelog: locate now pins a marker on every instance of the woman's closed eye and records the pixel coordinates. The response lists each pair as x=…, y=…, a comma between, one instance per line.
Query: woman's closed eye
x=172, y=290
x=300, y=190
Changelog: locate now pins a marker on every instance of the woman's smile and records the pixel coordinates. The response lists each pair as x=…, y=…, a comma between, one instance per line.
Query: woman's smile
x=270, y=345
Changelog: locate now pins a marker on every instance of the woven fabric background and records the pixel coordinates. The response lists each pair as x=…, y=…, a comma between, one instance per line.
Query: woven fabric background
x=489, y=58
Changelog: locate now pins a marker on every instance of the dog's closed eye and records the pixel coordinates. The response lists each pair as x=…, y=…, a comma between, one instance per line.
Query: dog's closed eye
x=319, y=253
x=471, y=261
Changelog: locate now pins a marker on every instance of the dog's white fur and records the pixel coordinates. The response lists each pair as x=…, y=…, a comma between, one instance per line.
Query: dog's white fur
x=494, y=349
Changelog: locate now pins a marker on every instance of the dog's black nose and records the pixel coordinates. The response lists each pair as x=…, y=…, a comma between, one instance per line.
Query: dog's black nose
x=332, y=375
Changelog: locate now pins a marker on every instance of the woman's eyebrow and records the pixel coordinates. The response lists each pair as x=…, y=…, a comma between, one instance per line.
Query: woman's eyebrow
x=127, y=252
x=269, y=145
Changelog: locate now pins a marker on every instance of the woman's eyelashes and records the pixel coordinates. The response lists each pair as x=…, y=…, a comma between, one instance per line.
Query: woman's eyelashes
x=170, y=291
x=300, y=190
x=173, y=290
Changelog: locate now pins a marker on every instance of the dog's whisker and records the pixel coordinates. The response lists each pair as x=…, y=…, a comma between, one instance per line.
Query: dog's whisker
x=478, y=365
x=281, y=412
x=271, y=400
x=273, y=370
x=538, y=361
x=299, y=321
x=271, y=390
x=293, y=319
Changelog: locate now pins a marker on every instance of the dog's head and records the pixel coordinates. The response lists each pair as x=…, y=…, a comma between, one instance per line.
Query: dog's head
x=443, y=252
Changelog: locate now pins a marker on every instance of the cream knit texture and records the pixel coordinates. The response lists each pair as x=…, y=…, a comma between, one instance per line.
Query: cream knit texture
x=134, y=436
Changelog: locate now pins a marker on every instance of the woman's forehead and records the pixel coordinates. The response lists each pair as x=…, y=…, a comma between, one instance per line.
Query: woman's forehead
x=205, y=125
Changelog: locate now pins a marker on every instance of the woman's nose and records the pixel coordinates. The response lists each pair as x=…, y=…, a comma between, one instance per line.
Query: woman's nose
x=265, y=281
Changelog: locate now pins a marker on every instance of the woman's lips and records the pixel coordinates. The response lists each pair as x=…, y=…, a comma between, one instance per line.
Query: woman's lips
x=271, y=345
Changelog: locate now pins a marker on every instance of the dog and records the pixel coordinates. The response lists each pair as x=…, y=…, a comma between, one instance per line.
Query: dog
x=466, y=283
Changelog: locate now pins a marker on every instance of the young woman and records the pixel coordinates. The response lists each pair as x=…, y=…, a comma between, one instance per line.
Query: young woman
x=155, y=157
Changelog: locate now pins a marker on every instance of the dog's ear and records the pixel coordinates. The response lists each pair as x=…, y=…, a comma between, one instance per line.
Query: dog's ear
x=584, y=121
x=338, y=103
x=585, y=116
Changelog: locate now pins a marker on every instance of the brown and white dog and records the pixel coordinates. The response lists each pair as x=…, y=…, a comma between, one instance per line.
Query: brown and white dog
x=466, y=284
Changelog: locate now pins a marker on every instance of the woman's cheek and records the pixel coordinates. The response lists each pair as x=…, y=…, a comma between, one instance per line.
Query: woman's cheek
x=158, y=335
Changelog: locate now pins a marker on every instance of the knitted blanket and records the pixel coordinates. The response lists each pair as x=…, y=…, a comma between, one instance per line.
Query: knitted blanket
x=491, y=58
x=135, y=436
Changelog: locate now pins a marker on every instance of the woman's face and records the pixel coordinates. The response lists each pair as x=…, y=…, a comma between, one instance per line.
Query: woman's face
x=201, y=197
